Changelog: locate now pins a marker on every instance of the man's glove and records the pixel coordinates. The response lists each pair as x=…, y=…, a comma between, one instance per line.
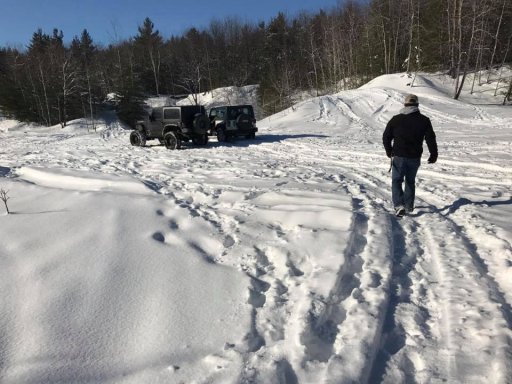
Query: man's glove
x=432, y=159
x=389, y=154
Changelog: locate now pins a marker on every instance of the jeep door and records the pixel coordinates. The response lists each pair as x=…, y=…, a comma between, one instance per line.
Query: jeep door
x=155, y=128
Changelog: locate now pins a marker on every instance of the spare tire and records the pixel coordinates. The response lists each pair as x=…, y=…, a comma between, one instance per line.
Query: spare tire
x=244, y=121
x=201, y=124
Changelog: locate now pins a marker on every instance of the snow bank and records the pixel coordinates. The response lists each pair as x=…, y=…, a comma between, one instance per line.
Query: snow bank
x=97, y=286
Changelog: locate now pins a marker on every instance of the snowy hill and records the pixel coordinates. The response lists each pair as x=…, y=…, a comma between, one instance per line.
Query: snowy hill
x=220, y=96
x=273, y=260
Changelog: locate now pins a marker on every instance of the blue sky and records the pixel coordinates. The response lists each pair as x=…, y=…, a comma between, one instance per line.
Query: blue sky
x=111, y=20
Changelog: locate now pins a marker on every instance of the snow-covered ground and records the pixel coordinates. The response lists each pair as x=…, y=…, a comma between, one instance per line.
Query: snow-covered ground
x=267, y=261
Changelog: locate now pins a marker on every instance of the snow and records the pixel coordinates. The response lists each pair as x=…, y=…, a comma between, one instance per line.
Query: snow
x=273, y=260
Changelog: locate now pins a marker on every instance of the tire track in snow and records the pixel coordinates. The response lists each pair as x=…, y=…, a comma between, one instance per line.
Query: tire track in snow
x=445, y=330
x=493, y=249
x=406, y=251
x=423, y=303
x=409, y=304
x=326, y=316
x=275, y=283
x=471, y=290
x=405, y=256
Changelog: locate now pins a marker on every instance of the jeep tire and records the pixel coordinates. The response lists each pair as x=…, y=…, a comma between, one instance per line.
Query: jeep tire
x=222, y=137
x=172, y=140
x=138, y=138
x=200, y=140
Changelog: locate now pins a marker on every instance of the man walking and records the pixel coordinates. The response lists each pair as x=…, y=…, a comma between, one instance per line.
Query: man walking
x=403, y=141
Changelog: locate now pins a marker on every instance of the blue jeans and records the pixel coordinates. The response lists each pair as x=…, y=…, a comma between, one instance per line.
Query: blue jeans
x=404, y=168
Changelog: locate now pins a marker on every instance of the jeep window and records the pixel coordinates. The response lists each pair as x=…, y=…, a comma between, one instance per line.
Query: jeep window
x=213, y=113
x=248, y=111
x=220, y=113
x=171, y=114
x=157, y=114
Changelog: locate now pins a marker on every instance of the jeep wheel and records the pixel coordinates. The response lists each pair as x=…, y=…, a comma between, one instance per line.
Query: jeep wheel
x=250, y=136
x=138, y=138
x=221, y=135
x=172, y=141
x=200, y=140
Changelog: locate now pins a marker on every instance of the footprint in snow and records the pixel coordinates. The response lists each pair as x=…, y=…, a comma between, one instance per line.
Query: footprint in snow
x=228, y=242
x=173, y=224
x=158, y=236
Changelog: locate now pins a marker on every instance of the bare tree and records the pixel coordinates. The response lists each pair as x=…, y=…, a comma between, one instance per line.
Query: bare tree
x=502, y=64
x=68, y=85
x=84, y=52
x=508, y=94
x=191, y=83
x=313, y=53
x=4, y=197
x=466, y=54
x=480, y=49
x=496, y=39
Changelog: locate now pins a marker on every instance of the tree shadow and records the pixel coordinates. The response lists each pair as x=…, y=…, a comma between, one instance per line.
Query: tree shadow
x=456, y=205
x=74, y=370
x=35, y=213
x=427, y=84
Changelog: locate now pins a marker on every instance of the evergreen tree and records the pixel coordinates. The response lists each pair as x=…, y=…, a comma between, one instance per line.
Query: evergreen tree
x=84, y=54
x=149, y=44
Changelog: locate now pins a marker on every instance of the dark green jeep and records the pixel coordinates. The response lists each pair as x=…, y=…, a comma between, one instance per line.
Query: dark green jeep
x=227, y=122
x=172, y=125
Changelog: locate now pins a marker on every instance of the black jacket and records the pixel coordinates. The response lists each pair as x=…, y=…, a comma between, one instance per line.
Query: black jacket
x=404, y=135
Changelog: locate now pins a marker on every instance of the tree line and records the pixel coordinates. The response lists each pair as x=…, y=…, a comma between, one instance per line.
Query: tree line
x=51, y=82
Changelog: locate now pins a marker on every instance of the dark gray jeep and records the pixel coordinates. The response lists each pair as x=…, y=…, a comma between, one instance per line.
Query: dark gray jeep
x=172, y=125
x=231, y=121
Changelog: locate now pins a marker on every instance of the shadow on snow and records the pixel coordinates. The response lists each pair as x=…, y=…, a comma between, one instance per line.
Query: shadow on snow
x=456, y=205
x=241, y=142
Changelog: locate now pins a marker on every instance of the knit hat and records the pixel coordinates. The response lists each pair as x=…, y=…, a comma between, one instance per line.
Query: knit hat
x=411, y=100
